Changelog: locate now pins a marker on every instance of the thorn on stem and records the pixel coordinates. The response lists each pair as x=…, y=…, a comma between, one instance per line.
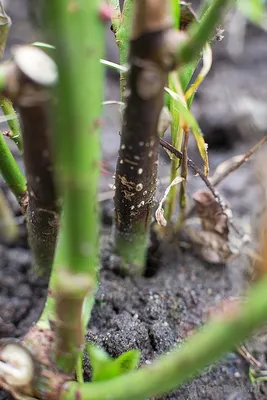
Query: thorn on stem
x=105, y=12
x=78, y=395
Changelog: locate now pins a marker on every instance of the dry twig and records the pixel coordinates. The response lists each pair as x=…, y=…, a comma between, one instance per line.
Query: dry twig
x=217, y=180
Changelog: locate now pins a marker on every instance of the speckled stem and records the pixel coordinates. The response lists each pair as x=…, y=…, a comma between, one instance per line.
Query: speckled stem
x=136, y=172
x=32, y=100
x=43, y=207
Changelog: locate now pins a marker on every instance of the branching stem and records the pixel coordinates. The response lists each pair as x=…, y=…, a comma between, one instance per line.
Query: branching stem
x=170, y=371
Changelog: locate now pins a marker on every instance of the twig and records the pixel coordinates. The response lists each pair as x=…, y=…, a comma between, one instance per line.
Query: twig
x=248, y=357
x=209, y=185
x=238, y=164
x=232, y=168
x=192, y=165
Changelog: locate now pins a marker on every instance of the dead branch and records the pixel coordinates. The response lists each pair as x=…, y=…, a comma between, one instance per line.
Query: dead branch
x=232, y=168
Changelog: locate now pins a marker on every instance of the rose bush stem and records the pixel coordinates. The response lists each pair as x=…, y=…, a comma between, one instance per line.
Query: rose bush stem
x=171, y=371
x=136, y=171
x=77, y=31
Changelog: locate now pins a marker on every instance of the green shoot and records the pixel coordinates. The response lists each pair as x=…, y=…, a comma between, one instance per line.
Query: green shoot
x=105, y=367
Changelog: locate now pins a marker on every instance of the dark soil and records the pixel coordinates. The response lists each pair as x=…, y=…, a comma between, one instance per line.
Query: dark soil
x=154, y=314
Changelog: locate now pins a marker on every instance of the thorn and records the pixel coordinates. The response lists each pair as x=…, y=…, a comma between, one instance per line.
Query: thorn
x=105, y=12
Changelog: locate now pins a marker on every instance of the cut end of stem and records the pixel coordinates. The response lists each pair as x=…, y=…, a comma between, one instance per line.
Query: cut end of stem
x=16, y=365
x=36, y=65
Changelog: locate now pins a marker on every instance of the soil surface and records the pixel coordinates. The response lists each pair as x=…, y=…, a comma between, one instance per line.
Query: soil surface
x=155, y=313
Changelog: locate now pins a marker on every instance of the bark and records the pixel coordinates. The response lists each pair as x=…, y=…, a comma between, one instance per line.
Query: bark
x=33, y=100
x=43, y=207
x=136, y=173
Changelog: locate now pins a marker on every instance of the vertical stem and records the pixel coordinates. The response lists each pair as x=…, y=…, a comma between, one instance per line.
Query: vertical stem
x=78, y=33
x=136, y=171
x=183, y=175
x=11, y=172
x=123, y=38
x=5, y=23
x=43, y=207
x=6, y=105
x=27, y=85
x=115, y=14
x=15, y=133
x=177, y=137
x=175, y=10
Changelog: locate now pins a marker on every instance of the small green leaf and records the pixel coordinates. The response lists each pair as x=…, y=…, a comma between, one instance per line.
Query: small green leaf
x=187, y=17
x=207, y=62
x=254, y=10
x=192, y=122
x=186, y=73
x=105, y=367
x=97, y=355
x=128, y=361
x=101, y=364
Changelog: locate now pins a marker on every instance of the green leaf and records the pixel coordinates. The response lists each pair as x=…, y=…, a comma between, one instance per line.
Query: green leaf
x=105, y=367
x=192, y=123
x=207, y=62
x=253, y=9
x=186, y=73
x=101, y=363
x=175, y=9
x=128, y=361
x=187, y=17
